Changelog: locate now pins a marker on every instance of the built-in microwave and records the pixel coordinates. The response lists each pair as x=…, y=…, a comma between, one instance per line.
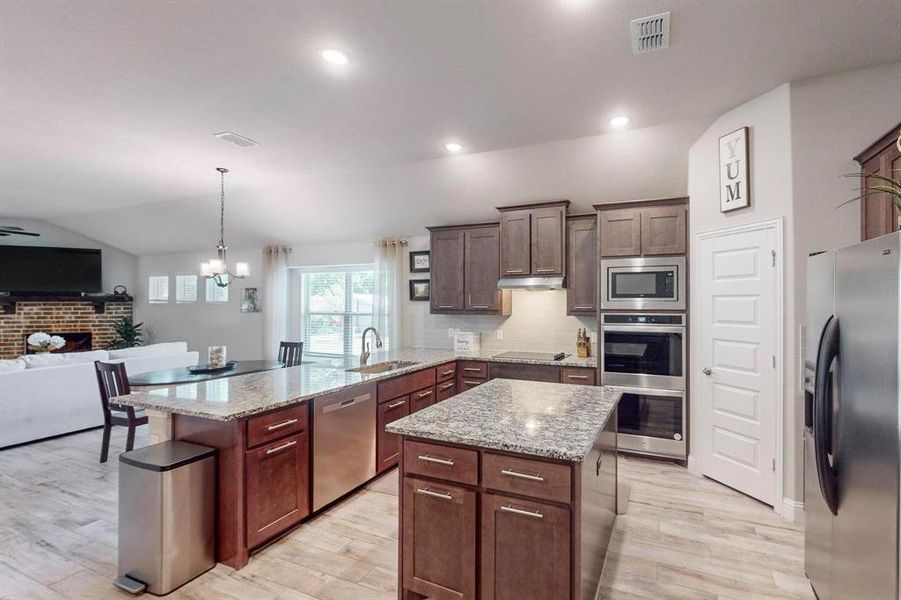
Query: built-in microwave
x=647, y=283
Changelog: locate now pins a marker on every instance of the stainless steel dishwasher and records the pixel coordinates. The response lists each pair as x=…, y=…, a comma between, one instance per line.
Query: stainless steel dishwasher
x=343, y=442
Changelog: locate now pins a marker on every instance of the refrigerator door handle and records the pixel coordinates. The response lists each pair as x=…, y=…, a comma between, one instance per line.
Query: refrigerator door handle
x=822, y=413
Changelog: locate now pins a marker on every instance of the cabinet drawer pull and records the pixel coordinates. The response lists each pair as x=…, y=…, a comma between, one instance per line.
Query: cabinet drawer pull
x=282, y=447
x=427, y=492
x=514, y=271
x=480, y=306
x=525, y=513
x=424, y=394
x=282, y=424
x=451, y=372
x=434, y=459
x=476, y=369
x=396, y=404
x=551, y=270
x=513, y=473
x=472, y=382
x=445, y=306
x=578, y=376
x=446, y=386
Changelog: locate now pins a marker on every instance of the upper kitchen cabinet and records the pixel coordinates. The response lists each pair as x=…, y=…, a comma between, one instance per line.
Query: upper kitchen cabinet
x=581, y=264
x=643, y=228
x=465, y=267
x=878, y=215
x=533, y=239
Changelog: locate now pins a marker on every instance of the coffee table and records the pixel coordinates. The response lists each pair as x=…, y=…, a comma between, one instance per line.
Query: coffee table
x=182, y=375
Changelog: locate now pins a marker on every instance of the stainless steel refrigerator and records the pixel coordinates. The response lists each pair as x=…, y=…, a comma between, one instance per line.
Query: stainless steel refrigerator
x=851, y=438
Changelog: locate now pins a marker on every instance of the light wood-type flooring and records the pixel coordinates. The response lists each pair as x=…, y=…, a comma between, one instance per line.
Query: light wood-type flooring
x=683, y=537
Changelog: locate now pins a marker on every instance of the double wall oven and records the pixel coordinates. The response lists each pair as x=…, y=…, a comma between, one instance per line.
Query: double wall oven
x=644, y=354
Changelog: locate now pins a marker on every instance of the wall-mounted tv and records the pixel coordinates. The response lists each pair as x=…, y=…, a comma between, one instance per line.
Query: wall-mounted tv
x=46, y=270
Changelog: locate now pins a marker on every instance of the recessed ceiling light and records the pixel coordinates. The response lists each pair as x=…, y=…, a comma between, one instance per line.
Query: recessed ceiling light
x=620, y=121
x=453, y=147
x=336, y=57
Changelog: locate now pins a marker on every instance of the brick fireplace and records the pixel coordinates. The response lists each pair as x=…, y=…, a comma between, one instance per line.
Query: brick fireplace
x=59, y=317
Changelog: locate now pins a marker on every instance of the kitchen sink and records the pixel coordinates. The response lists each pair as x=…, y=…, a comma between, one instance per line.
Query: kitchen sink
x=383, y=367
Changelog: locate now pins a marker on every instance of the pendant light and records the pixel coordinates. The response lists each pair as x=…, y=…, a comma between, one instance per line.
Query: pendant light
x=217, y=268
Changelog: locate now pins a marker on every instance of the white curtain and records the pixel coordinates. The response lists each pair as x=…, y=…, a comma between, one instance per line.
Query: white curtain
x=275, y=299
x=388, y=288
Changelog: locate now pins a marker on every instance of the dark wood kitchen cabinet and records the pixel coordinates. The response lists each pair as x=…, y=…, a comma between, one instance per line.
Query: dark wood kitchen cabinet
x=533, y=239
x=446, y=264
x=581, y=264
x=277, y=487
x=465, y=267
x=421, y=399
x=878, y=214
x=388, y=444
x=439, y=540
x=643, y=228
x=481, y=269
x=525, y=549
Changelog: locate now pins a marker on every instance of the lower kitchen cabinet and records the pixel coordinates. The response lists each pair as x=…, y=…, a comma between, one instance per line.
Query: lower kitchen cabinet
x=525, y=549
x=278, y=479
x=445, y=390
x=439, y=540
x=387, y=444
x=421, y=399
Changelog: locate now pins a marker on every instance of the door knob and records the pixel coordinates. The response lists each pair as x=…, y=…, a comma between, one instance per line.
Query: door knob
x=707, y=371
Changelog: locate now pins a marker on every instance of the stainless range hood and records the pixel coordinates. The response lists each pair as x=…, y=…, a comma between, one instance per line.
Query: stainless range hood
x=531, y=283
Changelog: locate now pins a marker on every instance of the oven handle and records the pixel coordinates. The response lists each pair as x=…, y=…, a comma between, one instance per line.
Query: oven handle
x=644, y=328
x=648, y=391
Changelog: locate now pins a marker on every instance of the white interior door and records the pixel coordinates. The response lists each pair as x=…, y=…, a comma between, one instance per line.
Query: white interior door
x=736, y=381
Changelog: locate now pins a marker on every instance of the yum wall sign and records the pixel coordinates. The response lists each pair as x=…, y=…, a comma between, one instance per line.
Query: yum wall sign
x=735, y=179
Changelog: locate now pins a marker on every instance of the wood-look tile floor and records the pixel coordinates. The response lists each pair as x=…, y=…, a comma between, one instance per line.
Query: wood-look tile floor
x=683, y=537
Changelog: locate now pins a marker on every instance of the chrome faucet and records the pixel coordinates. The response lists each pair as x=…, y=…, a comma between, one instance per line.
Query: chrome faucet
x=364, y=355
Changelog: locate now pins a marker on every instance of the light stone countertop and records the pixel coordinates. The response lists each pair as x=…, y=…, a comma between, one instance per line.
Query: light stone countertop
x=551, y=420
x=236, y=397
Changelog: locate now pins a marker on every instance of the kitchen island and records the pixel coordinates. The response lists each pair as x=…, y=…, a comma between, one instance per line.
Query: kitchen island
x=292, y=441
x=508, y=490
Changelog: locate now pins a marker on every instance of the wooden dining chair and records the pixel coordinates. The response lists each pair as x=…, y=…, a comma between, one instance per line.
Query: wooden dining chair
x=290, y=353
x=113, y=381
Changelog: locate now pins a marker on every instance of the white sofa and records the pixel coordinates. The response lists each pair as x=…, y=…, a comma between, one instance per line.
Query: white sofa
x=44, y=395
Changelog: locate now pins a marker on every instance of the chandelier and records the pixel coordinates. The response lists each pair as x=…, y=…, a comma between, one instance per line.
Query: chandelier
x=217, y=268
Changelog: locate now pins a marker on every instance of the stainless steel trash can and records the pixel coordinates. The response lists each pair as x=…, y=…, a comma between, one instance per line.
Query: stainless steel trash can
x=167, y=510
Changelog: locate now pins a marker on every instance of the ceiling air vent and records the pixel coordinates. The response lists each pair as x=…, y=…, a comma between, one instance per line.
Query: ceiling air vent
x=237, y=140
x=650, y=33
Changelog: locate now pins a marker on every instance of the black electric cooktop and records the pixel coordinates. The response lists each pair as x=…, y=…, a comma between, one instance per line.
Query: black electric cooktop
x=533, y=355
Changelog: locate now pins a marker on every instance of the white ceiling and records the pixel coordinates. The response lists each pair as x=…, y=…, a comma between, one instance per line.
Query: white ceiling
x=109, y=108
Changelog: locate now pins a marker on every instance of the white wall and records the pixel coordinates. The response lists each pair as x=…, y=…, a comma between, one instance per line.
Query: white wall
x=202, y=324
x=769, y=120
x=118, y=267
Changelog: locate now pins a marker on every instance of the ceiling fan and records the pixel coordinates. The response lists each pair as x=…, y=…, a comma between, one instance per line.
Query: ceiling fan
x=7, y=230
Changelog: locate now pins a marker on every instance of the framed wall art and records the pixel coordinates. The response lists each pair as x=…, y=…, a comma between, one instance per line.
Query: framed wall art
x=735, y=175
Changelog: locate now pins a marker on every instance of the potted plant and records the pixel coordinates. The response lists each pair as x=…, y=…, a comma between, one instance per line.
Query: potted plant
x=128, y=334
x=41, y=342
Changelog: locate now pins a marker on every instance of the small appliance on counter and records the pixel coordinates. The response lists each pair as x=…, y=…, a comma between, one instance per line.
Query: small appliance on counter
x=467, y=342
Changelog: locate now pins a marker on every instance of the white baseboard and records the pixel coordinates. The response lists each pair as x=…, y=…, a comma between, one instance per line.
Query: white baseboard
x=792, y=510
x=693, y=466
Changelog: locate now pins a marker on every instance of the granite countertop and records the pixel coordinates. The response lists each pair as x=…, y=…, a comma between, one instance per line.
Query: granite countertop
x=550, y=420
x=231, y=398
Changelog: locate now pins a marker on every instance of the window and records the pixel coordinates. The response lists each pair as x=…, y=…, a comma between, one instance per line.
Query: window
x=158, y=289
x=215, y=293
x=335, y=306
x=185, y=288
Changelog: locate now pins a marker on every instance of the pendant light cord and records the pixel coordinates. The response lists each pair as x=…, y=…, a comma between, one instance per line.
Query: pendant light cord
x=222, y=208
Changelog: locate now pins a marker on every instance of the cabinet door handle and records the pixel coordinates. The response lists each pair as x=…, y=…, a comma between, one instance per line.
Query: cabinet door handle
x=525, y=513
x=583, y=307
x=472, y=382
x=551, y=270
x=434, y=459
x=424, y=394
x=396, y=404
x=446, y=386
x=513, y=473
x=282, y=424
x=427, y=492
x=480, y=306
x=476, y=369
x=578, y=376
x=282, y=447
x=451, y=372
x=445, y=306
x=514, y=271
